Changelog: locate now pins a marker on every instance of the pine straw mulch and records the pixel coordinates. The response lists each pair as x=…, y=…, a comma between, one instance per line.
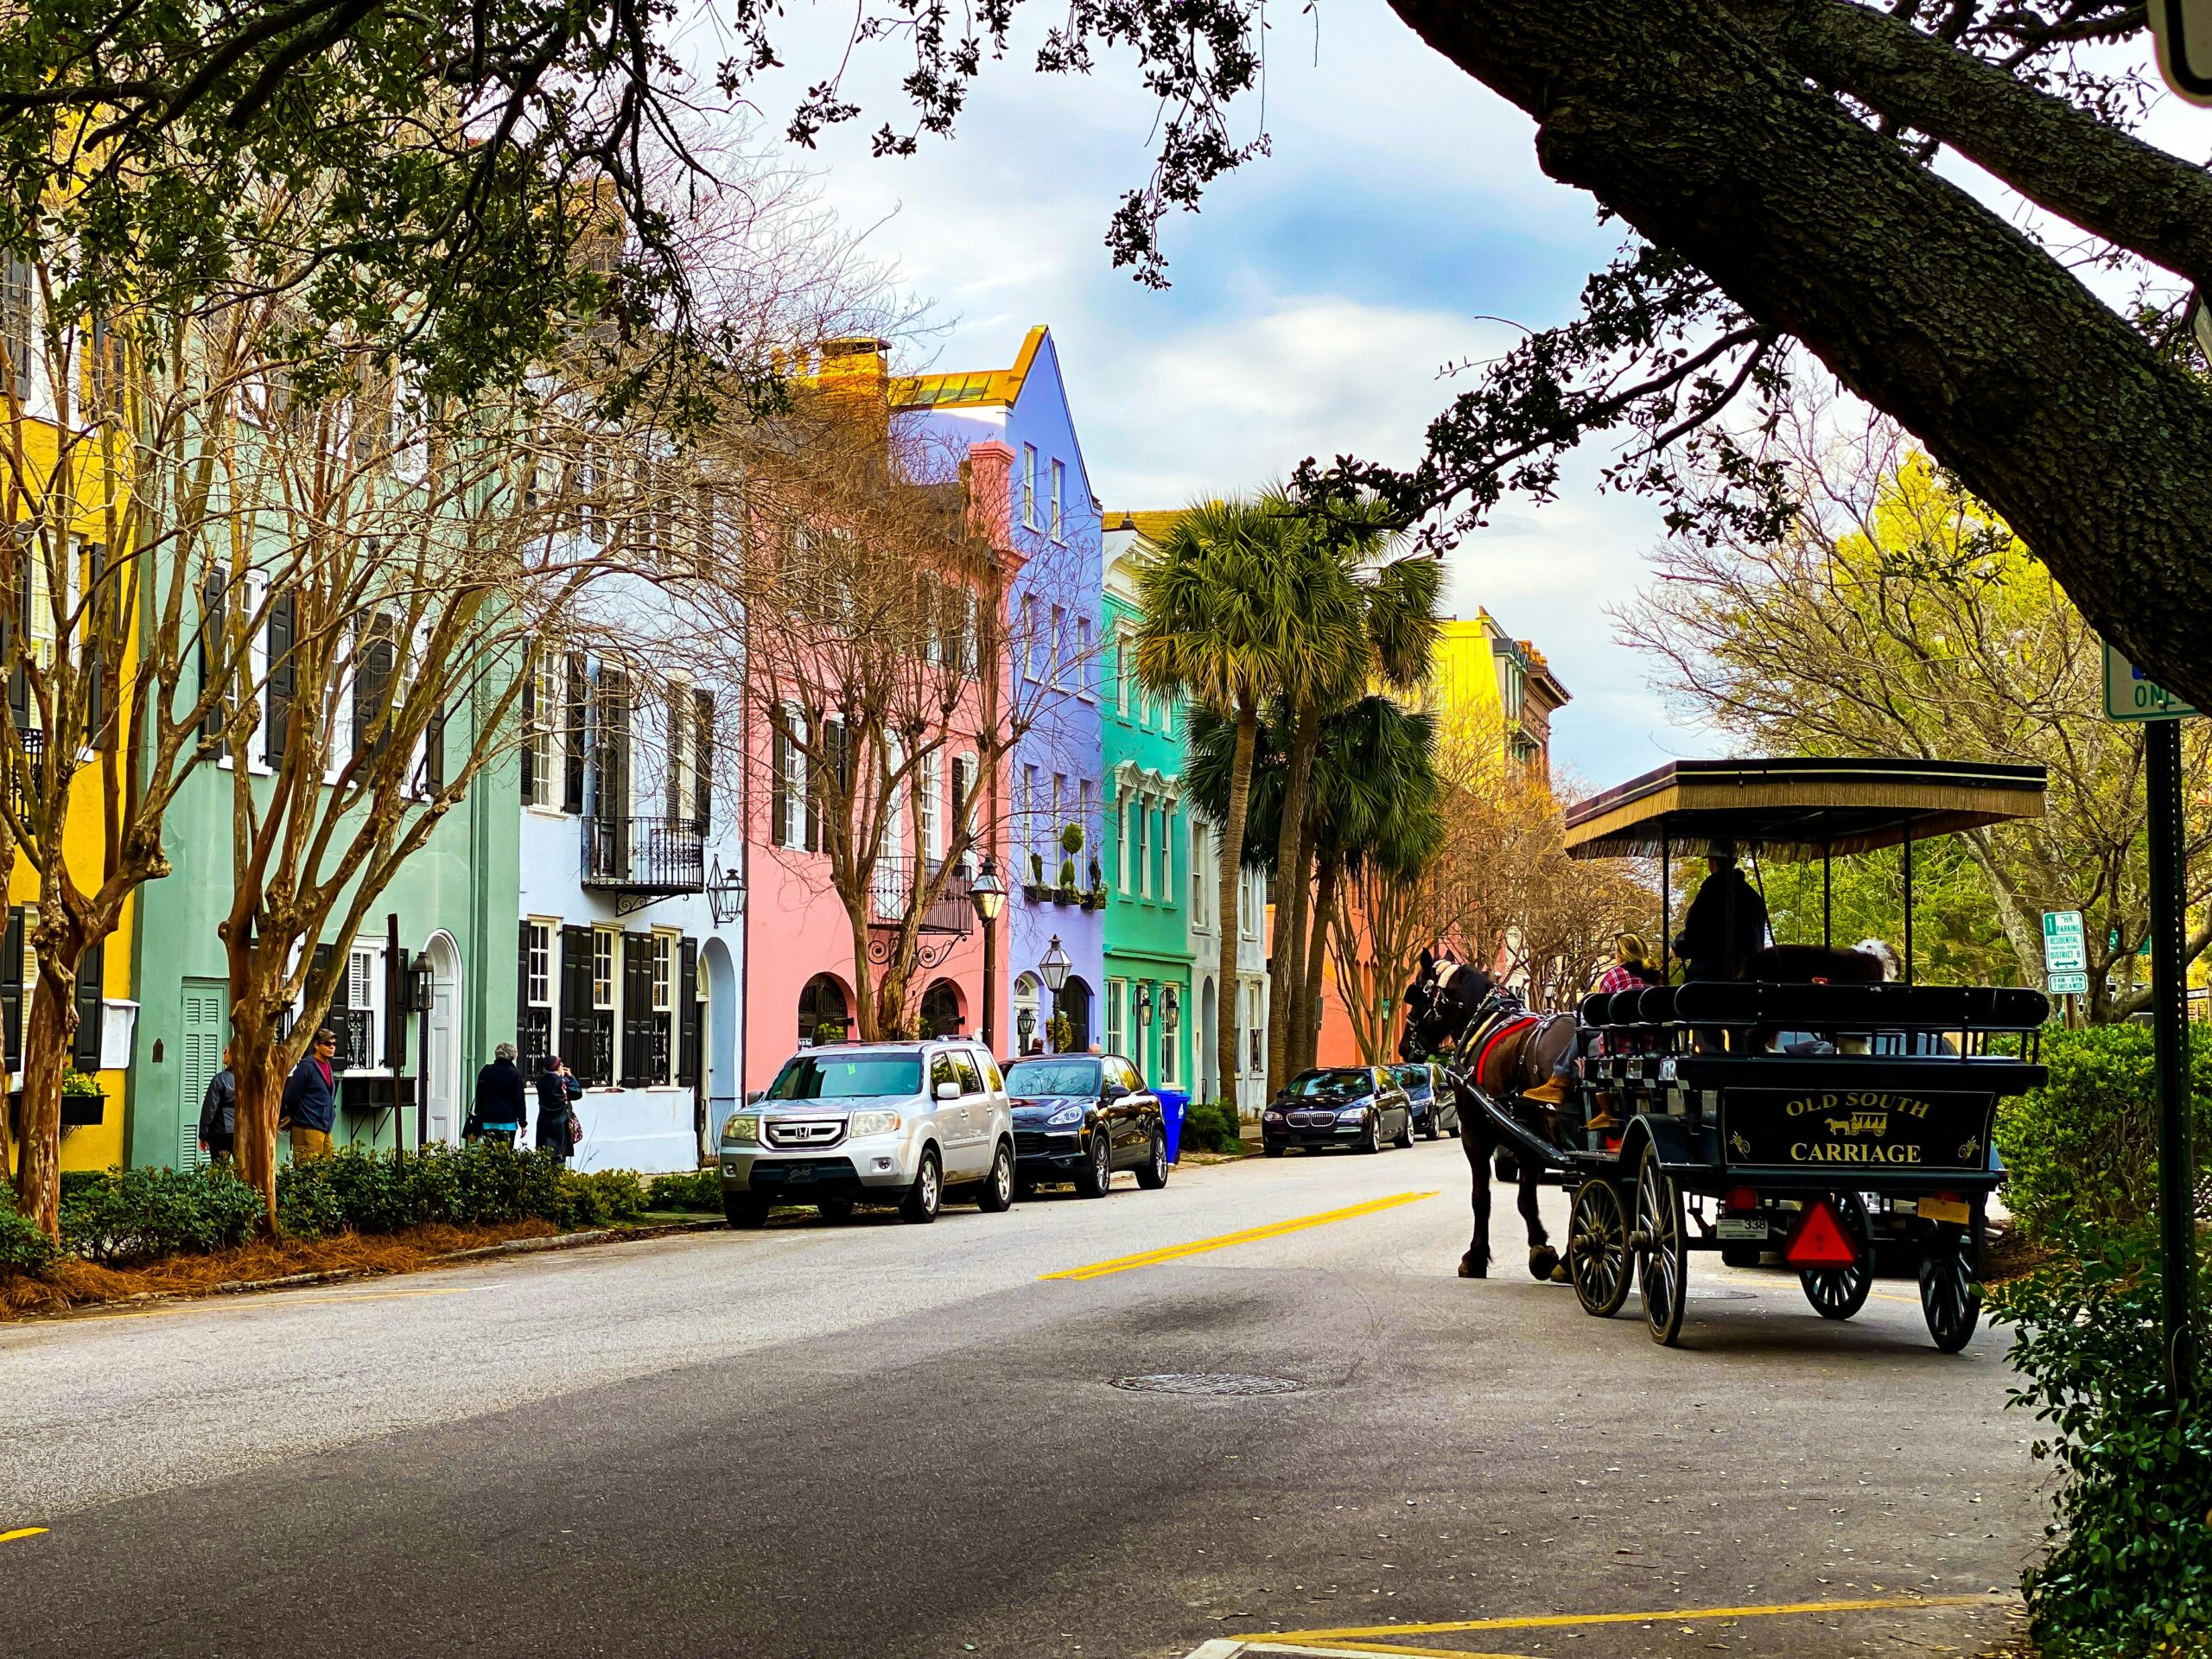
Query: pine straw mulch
x=84, y=1284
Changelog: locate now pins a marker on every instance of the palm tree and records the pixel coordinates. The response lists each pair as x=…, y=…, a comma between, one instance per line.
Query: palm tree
x=1358, y=617
x=1214, y=594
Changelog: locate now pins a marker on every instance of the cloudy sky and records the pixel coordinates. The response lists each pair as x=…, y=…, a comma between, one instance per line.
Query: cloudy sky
x=1401, y=225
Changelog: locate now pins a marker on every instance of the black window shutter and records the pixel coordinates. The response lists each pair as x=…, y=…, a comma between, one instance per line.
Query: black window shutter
x=686, y=992
x=703, y=759
x=572, y=740
x=19, y=690
x=85, y=1051
x=638, y=1015
x=99, y=643
x=779, y=794
x=211, y=652
x=11, y=987
x=434, y=750
x=522, y=977
x=577, y=1047
x=372, y=676
x=614, y=743
x=679, y=716
x=529, y=729
x=283, y=675
x=831, y=748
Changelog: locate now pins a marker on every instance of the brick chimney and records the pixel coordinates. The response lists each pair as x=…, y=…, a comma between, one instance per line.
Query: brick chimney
x=989, y=473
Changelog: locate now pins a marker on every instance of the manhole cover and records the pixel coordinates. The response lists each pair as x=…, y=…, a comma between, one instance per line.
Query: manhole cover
x=1241, y=1383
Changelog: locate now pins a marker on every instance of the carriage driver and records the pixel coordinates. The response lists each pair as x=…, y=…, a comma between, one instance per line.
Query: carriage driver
x=1726, y=922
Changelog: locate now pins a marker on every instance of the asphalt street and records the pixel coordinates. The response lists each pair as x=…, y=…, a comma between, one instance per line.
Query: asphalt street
x=882, y=1439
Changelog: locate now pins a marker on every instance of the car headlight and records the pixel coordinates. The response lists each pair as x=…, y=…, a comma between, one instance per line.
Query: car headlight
x=1352, y=1114
x=743, y=1128
x=863, y=1123
x=1273, y=1115
x=1068, y=1114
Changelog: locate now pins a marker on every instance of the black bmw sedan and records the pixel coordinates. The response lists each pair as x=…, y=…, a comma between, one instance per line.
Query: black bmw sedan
x=1079, y=1117
x=1359, y=1107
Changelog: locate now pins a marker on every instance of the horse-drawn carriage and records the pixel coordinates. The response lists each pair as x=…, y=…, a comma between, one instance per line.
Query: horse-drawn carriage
x=1787, y=1110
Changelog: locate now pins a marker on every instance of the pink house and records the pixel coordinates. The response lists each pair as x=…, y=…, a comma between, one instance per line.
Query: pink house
x=801, y=983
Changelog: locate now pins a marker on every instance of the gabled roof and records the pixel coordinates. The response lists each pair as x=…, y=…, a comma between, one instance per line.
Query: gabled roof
x=972, y=388
x=1153, y=526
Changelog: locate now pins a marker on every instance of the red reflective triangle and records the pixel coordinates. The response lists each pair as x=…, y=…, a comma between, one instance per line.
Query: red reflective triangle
x=1820, y=1241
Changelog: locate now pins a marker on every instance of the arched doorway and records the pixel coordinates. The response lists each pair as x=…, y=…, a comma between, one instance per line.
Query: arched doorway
x=944, y=1010
x=1075, y=1009
x=824, y=1011
x=1209, y=1043
x=725, y=1085
x=441, y=1059
x=1028, y=1013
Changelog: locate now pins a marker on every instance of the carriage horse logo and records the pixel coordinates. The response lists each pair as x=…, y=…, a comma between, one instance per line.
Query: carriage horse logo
x=1859, y=1123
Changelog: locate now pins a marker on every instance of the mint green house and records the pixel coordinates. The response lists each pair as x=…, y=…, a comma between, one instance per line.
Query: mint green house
x=1150, y=1015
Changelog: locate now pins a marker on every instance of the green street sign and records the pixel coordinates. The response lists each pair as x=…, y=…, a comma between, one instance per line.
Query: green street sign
x=2069, y=984
x=2128, y=695
x=2065, y=946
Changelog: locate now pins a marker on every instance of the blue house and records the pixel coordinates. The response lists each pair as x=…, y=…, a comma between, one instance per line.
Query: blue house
x=1051, y=792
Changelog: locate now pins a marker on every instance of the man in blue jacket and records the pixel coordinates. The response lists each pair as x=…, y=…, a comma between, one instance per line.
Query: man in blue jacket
x=311, y=1104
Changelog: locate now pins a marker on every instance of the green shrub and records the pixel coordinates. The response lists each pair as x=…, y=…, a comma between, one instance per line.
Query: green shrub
x=694, y=1189
x=24, y=1247
x=599, y=1199
x=2129, y=1573
x=306, y=1201
x=1211, y=1126
x=135, y=1214
x=2084, y=1148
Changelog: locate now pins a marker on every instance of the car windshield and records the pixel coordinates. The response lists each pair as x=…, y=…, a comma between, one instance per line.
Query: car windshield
x=1340, y=1081
x=1412, y=1078
x=816, y=1077
x=1035, y=1079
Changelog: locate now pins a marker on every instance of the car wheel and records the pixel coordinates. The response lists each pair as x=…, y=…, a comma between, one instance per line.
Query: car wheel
x=997, y=1196
x=835, y=1209
x=1096, y=1176
x=747, y=1211
x=920, y=1204
x=1370, y=1138
x=1406, y=1134
x=1152, y=1174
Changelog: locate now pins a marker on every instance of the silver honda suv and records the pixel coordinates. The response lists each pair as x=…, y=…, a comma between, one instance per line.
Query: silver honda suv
x=901, y=1123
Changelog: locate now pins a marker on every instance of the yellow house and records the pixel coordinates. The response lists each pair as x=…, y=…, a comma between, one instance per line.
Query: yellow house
x=1484, y=679
x=37, y=458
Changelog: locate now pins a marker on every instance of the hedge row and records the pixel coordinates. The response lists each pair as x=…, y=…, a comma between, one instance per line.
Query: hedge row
x=123, y=1216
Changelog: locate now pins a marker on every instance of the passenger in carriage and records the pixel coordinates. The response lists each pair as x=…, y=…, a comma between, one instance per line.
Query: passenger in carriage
x=1725, y=923
x=1631, y=969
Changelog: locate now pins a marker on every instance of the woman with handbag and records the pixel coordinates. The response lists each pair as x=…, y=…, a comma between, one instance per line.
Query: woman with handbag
x=559, y=1130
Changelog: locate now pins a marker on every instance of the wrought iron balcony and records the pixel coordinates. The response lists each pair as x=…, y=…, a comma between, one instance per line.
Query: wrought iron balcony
x=945, y=920
x=645, y=855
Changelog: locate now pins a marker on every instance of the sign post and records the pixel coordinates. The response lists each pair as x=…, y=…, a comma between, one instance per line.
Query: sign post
x=2128, y=695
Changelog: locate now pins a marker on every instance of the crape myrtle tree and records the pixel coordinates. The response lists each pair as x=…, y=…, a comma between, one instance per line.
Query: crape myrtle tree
x=1773, y=159
x=1898, y=616
x=866, y=595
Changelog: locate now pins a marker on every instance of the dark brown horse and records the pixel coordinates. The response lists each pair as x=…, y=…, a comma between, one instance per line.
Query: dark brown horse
x=1456, y=1014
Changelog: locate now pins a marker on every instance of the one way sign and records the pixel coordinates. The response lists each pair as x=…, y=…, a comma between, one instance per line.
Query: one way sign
x=2182, y=30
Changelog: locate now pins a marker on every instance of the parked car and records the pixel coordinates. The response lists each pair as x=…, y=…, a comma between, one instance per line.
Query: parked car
x=1436, y=1108
x=1079, y=1117
x=1356, y=1106
x=903, y=1123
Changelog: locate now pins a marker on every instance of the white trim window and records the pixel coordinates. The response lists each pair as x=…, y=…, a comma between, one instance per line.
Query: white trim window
x=1168, y=1041
x=537, y=986
x=1144, y=848
x=606, y=948
x=665, y=959
x=1122, y=840
x=930, y=779
x=1056, y=658
x=1117, y=998
x=1032, y=640
x=1165, y=887
x=788, y=798
x=1086, y=668
x=1059, y=491
x=1025, y=811
x=1200, y=916
x=1029, y=486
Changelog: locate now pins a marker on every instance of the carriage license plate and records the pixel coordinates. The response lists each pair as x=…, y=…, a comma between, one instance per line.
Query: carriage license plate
x=1944, y=1209
x=1742, y=1227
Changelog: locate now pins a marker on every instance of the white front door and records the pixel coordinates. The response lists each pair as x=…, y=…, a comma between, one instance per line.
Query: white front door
x=445, y=1125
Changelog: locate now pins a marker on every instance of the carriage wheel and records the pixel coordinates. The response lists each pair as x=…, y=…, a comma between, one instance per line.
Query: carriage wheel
x=1839, y=1293
x=1950, y=1294
x=1661, y=1257
x=1596, y=1249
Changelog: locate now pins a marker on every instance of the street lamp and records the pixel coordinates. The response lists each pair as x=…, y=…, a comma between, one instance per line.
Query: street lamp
x=1144, y=1005
x=1055, y=968
x=987, y=893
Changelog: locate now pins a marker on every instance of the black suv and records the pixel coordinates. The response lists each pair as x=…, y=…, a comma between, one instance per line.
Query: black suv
x=1356, y=1106
x=1079, y=1117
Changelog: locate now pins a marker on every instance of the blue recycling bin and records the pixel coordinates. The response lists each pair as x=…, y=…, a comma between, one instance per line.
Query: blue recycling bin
x=1174, y=1102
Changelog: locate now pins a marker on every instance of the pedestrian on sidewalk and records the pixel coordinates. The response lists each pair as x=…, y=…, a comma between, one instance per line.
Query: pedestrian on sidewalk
x=219, y=1114
x=309, y=1109
x=558, y=1129
x=501, y=1103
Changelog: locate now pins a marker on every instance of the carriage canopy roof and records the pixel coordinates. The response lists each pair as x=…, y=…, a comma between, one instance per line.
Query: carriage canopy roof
x=1798, y=807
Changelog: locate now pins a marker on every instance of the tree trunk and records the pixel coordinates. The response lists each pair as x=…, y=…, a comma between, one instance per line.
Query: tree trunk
x=259, y=1070
x=1922, y=300
x=45, y=1050
x=1230, y=934
x=1287, y=947
x=1306, y=1051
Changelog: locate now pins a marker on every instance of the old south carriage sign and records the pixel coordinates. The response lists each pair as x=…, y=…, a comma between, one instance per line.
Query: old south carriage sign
x=1846, y=1128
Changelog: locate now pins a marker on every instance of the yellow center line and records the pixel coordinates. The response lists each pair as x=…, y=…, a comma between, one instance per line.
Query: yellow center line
x=1547, y=1621
x=21, y=1532
x=1249, y=1235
